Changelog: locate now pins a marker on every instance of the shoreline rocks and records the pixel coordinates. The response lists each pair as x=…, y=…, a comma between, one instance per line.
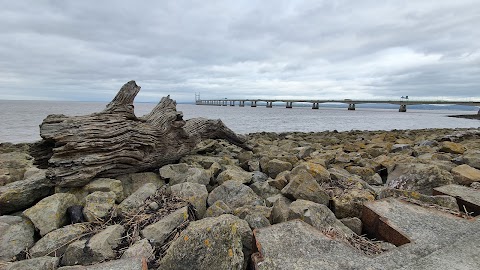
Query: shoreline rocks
x=203, y=210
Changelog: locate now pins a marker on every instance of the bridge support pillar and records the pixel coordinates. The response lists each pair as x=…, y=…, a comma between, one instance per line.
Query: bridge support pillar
x=253, y=104
x=289, y=105
x=269, y=104
x=224, y=103
x=241, y=104
x=403, y=108
x=315, y=105
x=232, y=102
x=351, y=107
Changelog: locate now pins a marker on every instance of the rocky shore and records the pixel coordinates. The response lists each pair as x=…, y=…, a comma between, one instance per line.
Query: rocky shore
x=207, y=210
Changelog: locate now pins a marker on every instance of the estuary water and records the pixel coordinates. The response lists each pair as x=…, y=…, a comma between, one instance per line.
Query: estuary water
x=20, y=120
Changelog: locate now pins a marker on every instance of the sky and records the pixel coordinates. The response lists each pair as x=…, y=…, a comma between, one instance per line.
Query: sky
x=86, y=50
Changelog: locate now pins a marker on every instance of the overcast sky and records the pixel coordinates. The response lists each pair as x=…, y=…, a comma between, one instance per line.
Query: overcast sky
x=86, y=50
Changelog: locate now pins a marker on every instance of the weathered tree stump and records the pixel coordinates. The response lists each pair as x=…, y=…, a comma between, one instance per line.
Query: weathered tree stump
x=115, y=141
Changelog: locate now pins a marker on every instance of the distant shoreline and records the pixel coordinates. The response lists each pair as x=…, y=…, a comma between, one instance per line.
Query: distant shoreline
x=467, y=116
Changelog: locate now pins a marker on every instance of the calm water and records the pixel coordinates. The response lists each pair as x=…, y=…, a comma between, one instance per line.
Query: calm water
x=20, y=120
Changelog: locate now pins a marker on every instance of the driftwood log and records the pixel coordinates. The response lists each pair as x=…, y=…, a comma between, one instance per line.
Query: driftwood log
x=115, y=141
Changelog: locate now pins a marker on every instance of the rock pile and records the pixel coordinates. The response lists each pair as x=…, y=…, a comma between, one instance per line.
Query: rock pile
x=201, y=212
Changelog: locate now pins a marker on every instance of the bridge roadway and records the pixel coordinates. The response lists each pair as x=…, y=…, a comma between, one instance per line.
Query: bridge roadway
x=315, y=102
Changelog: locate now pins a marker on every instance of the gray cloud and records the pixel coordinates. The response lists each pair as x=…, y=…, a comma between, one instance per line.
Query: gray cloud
x=85, y=50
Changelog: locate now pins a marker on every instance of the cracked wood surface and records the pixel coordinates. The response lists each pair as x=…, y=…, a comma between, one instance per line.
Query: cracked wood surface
x=115, y=141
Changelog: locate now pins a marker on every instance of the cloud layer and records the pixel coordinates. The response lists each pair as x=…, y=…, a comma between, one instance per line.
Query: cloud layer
x=86, y=50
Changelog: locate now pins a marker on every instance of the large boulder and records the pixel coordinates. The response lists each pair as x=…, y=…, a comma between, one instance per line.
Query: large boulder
x=98, y=204
x=280, y=181
x=23, y=194
x=97, y=249
x=132, y=182
x=465, y=175
x=258, y=176
x=317, y=170
x=451, y=147
x=13, y=166
x=141, y=249
x=276, y=166
x=418, y=177
x=97, y=184
x=234, y=194
x=257, y=220
x=16, y=235
x=236, y=174
x=106, y=185
x=264, y=189
x=218, y=208
x=317, y=215
x=137, y=199
x=303, y=186
x=222, y=242
x=280, y=209
x=194, y=193
x=354, y=224
x=55, y=242
x=42, y=263
x=159, y=231
x=350, y=202
x=51, y=212
x=472, y=158
x=246, y=210
x=207, y=161
x=182, y=172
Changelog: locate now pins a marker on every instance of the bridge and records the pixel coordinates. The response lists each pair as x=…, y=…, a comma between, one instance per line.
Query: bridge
x=403, y=102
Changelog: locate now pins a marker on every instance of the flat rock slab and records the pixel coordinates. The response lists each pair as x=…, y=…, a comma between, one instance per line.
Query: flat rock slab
x=297, y=245
x=468, y=197
x=432, y=237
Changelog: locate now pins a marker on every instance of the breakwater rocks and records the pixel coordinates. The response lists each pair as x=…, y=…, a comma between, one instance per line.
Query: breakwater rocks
x=295, y=201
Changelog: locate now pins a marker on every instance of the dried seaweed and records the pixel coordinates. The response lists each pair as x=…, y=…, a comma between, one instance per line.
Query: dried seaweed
x=361, y=243
x=145, y=215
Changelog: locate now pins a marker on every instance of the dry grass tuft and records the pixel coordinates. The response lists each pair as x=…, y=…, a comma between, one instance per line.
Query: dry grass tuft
x=364, y=244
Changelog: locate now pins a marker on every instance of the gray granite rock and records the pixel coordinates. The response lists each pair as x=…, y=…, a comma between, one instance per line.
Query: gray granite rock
x=194, y=193
x=16, y=235
x=42, y=263
x=98, y=204
x=141, y=249
x=137, y=199
x=234, y=194
x=275, y=166
x=22, y=194
x=280, y=210
x=97, y=249
x=317, y=215
x=132, y=182
x=182, y=172
x=235, y=174
x=222, y=242
x=418, y=177
x=106, y=185
x=302, y=185
x=51, y=212
x=218, y=208
x=55, y=242
x=159, y=231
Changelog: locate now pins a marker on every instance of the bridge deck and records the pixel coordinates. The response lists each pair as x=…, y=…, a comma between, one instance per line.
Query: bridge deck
x=348, y=101
x=351, y=102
